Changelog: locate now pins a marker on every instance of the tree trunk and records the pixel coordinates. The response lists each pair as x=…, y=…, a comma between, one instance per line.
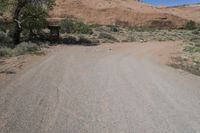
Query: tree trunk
x=17, y=25
x=17, y=32
x=31, y=34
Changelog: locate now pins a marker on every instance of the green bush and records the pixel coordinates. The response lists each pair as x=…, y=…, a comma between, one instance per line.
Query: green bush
x=6, y=52
x=67, y=26
x=191, y=25
x=5, y=34
x=26, y=47
x=4, y=38
x=82, y=28
x=72, y=26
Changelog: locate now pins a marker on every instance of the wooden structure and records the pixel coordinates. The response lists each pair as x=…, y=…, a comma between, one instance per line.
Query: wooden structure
x=54, y=34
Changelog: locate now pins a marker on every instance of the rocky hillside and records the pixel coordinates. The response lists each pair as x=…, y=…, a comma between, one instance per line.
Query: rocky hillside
x=118, y=12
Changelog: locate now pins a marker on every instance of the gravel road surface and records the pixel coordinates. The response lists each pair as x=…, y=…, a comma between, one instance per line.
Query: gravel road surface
x=111, y=88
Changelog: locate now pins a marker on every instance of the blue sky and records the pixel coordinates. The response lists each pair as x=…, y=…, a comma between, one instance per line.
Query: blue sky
x=171, y=2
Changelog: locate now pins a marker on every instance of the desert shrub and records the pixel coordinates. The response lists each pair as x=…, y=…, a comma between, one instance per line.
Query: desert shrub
x=88, y=41
x=82, y=28
x=191, y=25
x=83, y=40
x=4, y=38
x=193, y=46
x=2, y=26
x=26, y=47
x=6, y=52
x=95, y=25
x=40, y=37
x=196, y=32
x=72, y=26
x=103, y=29
x=5, y=34
x=44, y=45
x=192, y=49
x=113, y=28
x=108, y=36
x=67, y=25
x=79, y=40
x=141, y=29
x=69, y=40
x=130, y=38
x=195, y=39
x=197, y=44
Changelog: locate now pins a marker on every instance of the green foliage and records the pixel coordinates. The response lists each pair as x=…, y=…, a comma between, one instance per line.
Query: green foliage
x=82, y=28
x=33, y=21
x=6, y=52
x=2, y=27
x=3, y=4
x=4, y=38
x=72, y=26
x=27, y=15
x=191, y=25
x=34, y=18
x=5, y=34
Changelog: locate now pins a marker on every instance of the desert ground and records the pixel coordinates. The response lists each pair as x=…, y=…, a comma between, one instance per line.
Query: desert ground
x=110, y=88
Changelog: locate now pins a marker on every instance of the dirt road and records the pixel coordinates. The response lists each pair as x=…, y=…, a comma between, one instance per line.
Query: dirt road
x=115, y=88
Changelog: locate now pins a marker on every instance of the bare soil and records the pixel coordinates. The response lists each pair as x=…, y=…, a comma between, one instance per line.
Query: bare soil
x=163, y=54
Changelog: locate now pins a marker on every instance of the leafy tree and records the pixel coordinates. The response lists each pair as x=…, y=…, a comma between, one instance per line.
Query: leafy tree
x=34, y=19
x=29, y=14
x=3, y=4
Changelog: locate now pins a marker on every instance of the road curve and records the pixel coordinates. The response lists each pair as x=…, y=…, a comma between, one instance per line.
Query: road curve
x=103, y=89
